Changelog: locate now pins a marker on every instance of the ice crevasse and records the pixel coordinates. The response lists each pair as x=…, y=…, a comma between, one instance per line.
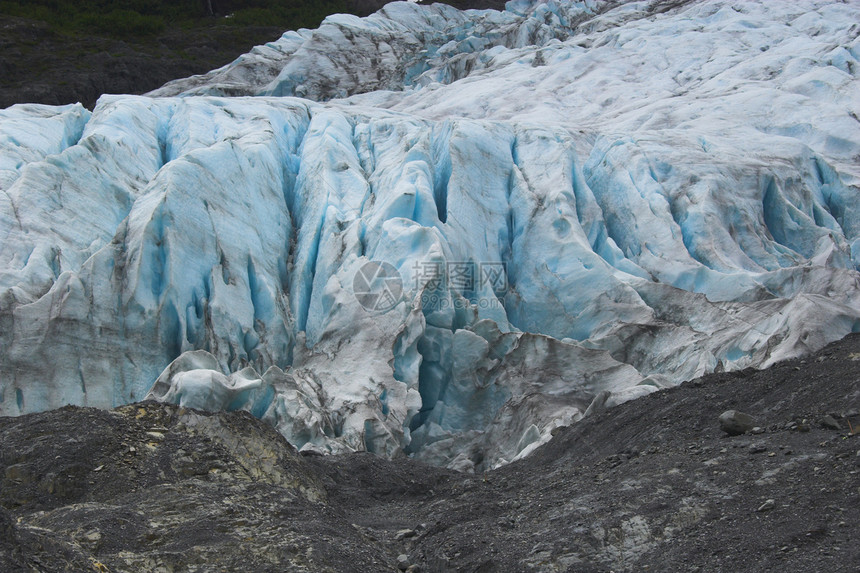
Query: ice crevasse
x=548, y=211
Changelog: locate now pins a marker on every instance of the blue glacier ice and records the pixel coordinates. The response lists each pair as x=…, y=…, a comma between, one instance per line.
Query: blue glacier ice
x=469, y=229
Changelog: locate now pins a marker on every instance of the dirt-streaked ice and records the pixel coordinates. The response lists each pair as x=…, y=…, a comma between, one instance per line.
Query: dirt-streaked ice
x=486, y=222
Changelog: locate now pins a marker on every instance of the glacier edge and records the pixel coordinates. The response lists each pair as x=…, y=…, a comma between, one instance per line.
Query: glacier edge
x=397, y=271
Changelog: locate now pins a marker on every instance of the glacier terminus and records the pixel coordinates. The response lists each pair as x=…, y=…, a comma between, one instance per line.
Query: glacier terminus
x=442, y=233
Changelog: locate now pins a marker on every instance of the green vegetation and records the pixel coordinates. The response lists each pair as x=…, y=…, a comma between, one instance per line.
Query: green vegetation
x=130, y=19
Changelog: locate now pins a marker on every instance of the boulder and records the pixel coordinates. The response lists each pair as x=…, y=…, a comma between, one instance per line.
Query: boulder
x=735, y=423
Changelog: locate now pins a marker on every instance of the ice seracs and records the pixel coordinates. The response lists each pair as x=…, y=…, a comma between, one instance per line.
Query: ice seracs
x=547, y=211
x=401, y=46
x=29, y=133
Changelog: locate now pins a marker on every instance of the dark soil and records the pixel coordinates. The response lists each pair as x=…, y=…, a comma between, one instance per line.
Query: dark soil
x=41, y=65
x=651, y=485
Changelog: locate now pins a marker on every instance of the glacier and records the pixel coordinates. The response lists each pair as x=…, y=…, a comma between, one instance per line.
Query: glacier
x=442, y=233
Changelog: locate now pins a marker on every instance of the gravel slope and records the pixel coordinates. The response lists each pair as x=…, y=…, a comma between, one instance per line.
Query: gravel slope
x=651, y=485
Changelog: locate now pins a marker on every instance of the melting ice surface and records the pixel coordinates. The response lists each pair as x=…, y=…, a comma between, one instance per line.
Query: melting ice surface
x=475, y=227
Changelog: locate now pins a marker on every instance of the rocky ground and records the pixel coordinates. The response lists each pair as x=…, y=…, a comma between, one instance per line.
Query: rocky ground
x=652, y=485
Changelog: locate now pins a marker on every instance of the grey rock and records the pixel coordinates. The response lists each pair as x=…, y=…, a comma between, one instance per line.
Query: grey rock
x=757, y=448
x=736, y=423
x=403, y=562
x=831, y=423
x=405, y=534
x=767, y=505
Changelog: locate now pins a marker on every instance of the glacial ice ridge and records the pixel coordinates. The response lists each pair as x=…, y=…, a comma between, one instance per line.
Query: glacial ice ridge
x=487, y=225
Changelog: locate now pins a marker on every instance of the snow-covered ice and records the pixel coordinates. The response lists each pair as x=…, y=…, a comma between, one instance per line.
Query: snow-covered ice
x=478, y=226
